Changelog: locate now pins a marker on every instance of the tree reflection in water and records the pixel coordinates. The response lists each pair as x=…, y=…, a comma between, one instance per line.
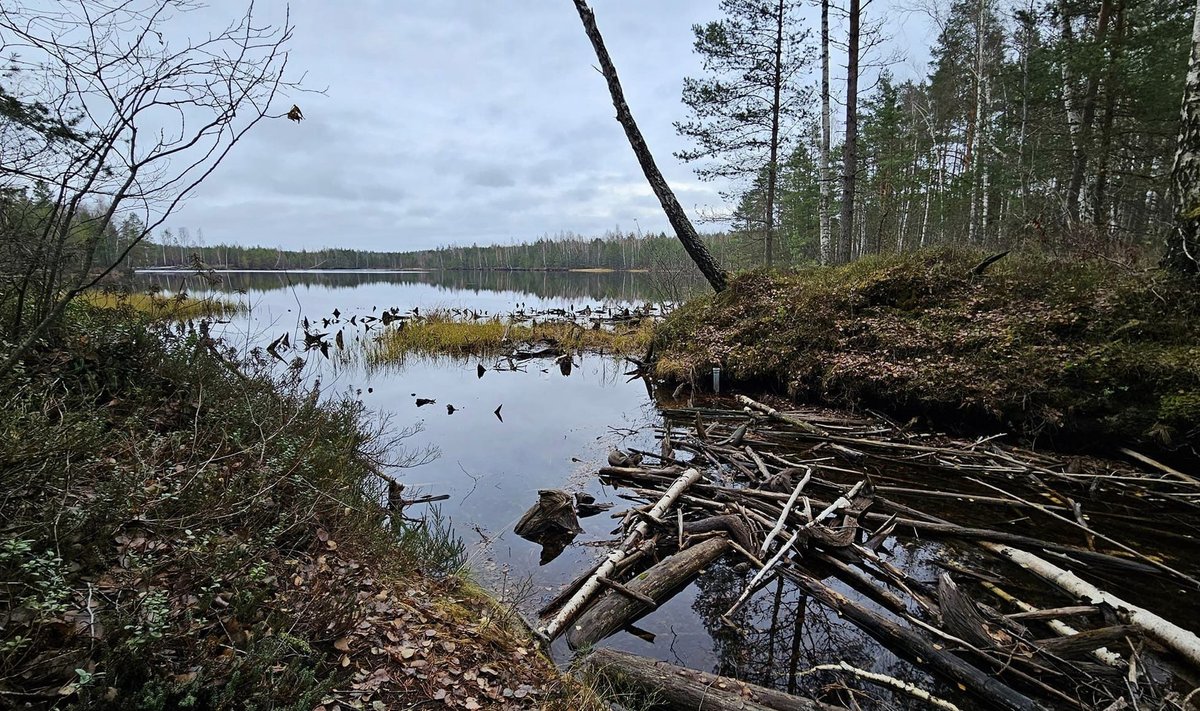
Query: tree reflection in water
x=780, y=635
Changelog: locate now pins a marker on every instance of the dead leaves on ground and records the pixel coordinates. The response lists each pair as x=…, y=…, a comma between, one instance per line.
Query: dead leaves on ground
x=410, y=644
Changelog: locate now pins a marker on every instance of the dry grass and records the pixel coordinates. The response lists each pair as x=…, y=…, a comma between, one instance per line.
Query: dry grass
x=440, y=334
x=162, y=308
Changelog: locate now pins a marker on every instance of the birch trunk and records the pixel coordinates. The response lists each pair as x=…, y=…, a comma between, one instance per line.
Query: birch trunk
x=1186, y=643
x=589, y=589
x=1183, y=247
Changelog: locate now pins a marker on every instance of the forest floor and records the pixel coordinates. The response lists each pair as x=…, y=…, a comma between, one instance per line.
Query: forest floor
x=180, y=531
x=1059, y=351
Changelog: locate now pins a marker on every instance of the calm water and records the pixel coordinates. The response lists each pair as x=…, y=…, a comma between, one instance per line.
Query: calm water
x=556, y=432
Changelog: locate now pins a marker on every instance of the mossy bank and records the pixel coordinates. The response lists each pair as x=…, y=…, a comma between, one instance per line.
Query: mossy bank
x=1049, y=349
x=183, y=528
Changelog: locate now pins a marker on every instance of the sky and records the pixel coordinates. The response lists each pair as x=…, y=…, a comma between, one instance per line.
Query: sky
x=465, y=121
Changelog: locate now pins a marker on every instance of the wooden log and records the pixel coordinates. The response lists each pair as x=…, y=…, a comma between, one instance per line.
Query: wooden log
x=585, y=593
x=658, y=583
x=633, y=594
x=689, y=689
x=1087, y=641
x=1185, y=642
x=906, y=641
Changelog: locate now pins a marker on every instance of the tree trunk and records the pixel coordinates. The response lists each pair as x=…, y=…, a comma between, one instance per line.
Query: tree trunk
x=615, y=608
x=1074, y=117
x=850, y=147
x=773, y=168
x=681, y=688
x=684, y=229
x=977, y=129
x=1183, y=247
x=827, y=254
x=1100, y=201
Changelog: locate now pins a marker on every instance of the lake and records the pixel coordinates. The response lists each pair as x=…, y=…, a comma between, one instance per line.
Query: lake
x=554, y=430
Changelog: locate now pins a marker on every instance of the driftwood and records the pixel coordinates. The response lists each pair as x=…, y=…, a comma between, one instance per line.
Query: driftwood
x=905, y=640
x=688, y=689
x=737, y=529
x=554, y=513
x=1028, y=612
x=1186, y=643
x=585, y=593
x=612, y=610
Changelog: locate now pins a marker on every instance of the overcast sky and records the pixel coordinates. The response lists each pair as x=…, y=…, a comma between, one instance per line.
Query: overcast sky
x=467, y=121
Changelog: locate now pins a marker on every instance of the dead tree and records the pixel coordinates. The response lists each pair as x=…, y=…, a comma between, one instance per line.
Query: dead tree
x=683, y=227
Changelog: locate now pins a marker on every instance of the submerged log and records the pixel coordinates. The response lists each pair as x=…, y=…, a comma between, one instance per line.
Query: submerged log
x=615, y=608
x=681, y=688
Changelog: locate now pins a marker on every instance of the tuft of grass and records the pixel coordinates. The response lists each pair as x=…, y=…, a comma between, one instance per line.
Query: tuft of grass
x=1034, y=345
x=441, y=334
x=156, y=307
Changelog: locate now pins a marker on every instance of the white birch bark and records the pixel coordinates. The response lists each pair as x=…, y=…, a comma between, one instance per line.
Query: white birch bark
x=1183, y=251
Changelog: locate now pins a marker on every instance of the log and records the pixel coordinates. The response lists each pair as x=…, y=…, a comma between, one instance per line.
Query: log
x=1174, y=637
x=906, y=641
x=612, y=610
x=585, y=593
x=689, y=689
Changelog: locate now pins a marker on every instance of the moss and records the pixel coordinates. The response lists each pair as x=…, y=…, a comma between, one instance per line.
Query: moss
x=1034, y=345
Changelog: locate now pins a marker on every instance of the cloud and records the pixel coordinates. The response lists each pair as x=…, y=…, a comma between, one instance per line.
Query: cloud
x=448, y=121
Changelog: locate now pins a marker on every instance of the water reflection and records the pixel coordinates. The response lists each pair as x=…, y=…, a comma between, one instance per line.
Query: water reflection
x=598, y=286
x=506, y=433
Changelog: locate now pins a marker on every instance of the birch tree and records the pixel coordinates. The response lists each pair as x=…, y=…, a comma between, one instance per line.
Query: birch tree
x=1183, y=248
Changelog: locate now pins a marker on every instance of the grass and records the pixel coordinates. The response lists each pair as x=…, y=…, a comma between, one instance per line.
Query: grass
x=1040, y=347
x=441, y=334
x=179, y=307
x=181, y=530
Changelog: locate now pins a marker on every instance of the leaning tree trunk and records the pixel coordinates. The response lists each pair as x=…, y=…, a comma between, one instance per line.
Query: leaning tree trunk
x=684, y=229
x=850, y=149
x=1183, y=247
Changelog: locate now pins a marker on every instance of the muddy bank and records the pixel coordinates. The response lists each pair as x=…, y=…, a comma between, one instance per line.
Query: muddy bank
x=1060, y=352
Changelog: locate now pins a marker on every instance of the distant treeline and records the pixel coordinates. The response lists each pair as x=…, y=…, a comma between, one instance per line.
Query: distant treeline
x=601, y=286
x=615, y=250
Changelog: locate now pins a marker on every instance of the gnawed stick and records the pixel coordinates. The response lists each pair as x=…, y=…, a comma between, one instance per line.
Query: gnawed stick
x=585, y=593
x=1186, y=643
x=777, y=415
x=1108, y=539
x=889, y=681
x=841, y=502
x=787, y=509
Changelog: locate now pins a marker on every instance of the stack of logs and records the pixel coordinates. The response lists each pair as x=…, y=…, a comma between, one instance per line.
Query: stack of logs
x=803, y=498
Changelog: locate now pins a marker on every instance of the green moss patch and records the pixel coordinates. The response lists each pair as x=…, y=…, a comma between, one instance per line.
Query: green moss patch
x=1036, y=346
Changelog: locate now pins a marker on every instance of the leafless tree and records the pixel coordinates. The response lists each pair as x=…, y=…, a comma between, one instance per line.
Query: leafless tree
x=111, y=108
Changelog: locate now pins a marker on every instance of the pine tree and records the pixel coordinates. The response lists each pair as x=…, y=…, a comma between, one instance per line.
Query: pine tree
x=742, y=112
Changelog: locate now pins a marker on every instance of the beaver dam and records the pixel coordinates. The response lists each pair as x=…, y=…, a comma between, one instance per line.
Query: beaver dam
x=854, y=563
